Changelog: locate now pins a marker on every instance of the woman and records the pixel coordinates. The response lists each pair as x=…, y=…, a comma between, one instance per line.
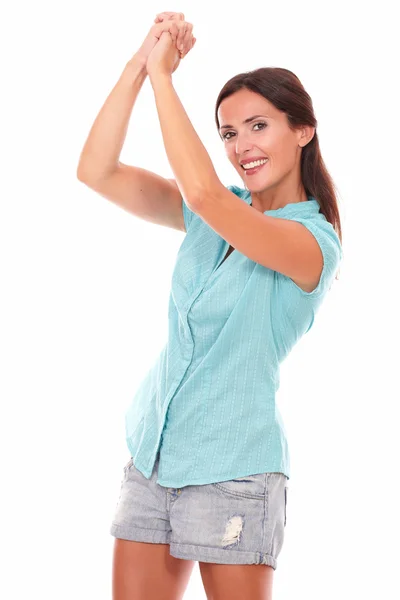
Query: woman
x=207, y=478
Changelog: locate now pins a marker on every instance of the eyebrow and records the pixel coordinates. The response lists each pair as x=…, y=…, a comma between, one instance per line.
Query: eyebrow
x=244, y=122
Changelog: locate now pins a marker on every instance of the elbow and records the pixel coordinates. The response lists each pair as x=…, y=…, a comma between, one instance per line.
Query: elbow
x=92, y=177
x=192, y=198
x=198, y=196
x=81, y=174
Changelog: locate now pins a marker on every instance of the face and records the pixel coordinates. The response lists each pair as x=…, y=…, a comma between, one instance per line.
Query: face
x=267, y=136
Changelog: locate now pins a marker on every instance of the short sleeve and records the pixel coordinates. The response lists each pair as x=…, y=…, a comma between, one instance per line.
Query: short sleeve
x=332, y=254
x=236, y=190
x=187, y=215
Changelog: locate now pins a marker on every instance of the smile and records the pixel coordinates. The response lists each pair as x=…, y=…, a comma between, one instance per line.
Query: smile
x=254, y=170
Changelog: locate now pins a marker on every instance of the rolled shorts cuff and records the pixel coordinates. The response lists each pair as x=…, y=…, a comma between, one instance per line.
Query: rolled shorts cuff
x=191, y=551
x=214, y=555
x=137, y=534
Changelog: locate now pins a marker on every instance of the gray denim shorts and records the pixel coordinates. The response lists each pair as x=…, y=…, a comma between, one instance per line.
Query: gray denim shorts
x=240, y=521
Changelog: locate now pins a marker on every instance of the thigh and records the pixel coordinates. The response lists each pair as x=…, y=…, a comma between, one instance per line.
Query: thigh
x=237, y=582
x=147, y=570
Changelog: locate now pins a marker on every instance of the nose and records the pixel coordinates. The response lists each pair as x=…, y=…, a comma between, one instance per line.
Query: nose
x=243, y=147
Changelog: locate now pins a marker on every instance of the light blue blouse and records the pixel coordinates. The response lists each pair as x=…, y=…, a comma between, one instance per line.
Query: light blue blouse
x=208, y=403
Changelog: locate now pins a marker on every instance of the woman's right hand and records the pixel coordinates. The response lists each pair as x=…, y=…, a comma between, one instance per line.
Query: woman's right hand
x=165, y=21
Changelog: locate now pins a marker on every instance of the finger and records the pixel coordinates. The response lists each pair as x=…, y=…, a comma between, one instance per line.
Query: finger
x=170, y=26
x=169, y=16
x=159, y=19
x=164, y=16
x=194, y=40
x=186, y=36
x=182, y=32
x=174, y=31
x=192, y=43
x=187, y=41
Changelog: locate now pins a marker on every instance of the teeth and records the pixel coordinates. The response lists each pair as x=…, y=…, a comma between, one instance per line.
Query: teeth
x=255, y=164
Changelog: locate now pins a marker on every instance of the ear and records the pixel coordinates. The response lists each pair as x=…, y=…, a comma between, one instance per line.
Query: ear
x=306, y=135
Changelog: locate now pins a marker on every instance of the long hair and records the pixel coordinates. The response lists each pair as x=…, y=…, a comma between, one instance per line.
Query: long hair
x=285, y=91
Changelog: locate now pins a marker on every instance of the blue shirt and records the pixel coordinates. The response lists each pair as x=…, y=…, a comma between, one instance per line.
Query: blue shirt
x=208, y=403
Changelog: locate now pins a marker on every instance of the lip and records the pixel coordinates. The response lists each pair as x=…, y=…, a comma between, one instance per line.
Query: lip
x=255, y=170
x=245, y=161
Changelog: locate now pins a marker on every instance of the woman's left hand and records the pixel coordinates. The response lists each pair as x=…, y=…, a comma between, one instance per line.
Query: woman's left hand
x=166, y=54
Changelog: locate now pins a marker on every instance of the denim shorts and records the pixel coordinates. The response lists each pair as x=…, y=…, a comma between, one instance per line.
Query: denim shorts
x=240, y=521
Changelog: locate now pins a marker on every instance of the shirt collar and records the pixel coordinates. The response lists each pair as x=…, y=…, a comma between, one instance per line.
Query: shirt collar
x=311, y=206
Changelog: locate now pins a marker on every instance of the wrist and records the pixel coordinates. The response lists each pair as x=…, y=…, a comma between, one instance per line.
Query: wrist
x=137, y=63
x=158, y=76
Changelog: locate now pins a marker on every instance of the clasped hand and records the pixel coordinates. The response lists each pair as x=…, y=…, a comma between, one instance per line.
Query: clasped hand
x=171, y=38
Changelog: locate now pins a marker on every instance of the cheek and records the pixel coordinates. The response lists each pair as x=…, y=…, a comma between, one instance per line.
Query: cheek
x=284, y=150
x=231, y=155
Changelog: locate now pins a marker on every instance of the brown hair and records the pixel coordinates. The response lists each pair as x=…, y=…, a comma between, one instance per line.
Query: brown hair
x=285, y=91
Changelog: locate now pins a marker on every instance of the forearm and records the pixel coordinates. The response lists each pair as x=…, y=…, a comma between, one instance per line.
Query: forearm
x=102, y=149
x=189, y=160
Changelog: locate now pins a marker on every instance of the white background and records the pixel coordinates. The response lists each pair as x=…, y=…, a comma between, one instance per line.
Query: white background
x=85, y=288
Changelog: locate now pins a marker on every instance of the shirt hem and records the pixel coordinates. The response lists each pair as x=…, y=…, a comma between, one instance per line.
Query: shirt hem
x=179, y=483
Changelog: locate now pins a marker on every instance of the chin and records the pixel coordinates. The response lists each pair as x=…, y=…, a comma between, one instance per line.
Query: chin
x=256, y=186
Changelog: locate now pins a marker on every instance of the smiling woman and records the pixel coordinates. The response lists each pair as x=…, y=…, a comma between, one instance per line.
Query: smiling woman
x=285, y=134
x=207, y=444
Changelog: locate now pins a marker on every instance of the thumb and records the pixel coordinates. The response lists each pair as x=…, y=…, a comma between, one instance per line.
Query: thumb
x=166, y=35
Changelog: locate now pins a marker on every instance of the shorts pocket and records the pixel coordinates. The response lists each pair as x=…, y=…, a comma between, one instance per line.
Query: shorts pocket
x=250, y=486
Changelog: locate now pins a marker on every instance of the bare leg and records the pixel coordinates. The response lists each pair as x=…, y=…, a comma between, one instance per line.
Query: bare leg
x=237, y=582
x=143, y=570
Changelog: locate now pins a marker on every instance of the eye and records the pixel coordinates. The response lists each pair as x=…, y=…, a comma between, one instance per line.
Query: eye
x=258, y=123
